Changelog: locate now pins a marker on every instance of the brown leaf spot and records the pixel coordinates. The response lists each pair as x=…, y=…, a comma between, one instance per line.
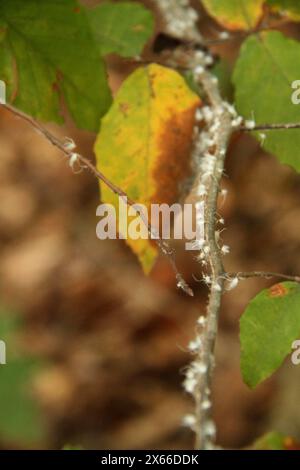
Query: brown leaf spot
x=124, y=108
x=290, y=444
x=277, y=291
x=138, y=28
x=173, y=162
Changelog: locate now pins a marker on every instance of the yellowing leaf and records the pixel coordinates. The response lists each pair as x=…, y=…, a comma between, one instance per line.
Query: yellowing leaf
x=235, y=14
x=145, y=141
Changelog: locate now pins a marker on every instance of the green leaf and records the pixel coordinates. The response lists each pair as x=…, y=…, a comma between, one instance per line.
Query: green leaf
x=275, y=441
x=20, y=417
x=55, y=55
x=121, y=28
x=223, y=72
x=267, y=66
x=270, y=441
x=268, y=328
x=72, y=447
x=235, y=14
x=144, y=144
x=289, y=8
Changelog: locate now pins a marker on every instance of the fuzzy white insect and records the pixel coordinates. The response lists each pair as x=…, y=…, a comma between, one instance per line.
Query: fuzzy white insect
x=198, y=115
x=225, y=249
x=201, y=321
x=189, y=385
x=195, y=345
x=73, y=159
x=210, y=429
x=206, y=250
x=224, y=35
x=189, y=421
x=237, y=122
x=262, y=138
x=207, y=279
x=216, y=287
x=181, y=285
x=231, y=109
x=69, y=144
x=207, y=113
x=208, y=60
x=199, y=367
x=250, y=124
x=219, y=110
x=201, y=190
x=199, y=55
x=199, y=70
x=215, y=127
x=224, y=193
x=206, y=404
x=232, y=284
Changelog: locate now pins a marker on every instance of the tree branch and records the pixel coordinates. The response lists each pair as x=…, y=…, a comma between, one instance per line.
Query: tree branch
x=68, y=151
x=262, y=274
x=270, y=127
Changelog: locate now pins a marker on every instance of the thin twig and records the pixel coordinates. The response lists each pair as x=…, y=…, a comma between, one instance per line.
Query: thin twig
x=262, y=274
x=86, y=163
x=271, y=127
x=239, y=35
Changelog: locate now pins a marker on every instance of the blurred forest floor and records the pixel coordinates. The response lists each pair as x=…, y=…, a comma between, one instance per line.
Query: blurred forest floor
x=115, y=341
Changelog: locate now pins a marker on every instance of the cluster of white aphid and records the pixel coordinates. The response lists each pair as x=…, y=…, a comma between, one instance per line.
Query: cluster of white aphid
x=193, y=377
x=74, y=158
x=208, y=122
x=180, y=19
